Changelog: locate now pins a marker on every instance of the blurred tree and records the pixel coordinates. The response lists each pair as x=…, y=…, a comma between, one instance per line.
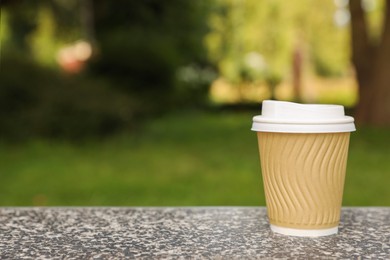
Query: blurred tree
x=22, y=21
x=249, y=39
x=43, y=101
x=372, y=62
x=46, y=103
x=253, y=40
x=327, y=37
x=142, y=45
x=149, y=56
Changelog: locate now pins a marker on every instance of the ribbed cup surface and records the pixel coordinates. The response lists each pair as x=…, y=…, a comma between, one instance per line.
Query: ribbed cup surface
x=303, y=177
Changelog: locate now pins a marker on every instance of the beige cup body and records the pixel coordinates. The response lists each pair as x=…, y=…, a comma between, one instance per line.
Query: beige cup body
x=303, y=175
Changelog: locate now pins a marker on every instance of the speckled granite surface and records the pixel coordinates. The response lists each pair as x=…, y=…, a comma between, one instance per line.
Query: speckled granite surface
x=211, y=233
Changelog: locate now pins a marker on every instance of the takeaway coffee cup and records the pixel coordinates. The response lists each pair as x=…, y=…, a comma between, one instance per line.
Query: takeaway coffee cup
x=303, y=153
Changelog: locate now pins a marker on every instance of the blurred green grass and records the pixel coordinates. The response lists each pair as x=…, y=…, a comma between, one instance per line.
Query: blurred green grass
x=192, y=158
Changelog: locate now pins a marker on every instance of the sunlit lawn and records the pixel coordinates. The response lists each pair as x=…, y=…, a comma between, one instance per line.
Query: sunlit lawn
x=195, y=158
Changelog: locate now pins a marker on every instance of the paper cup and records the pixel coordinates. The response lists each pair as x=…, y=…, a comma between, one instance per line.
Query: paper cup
x=303, y=154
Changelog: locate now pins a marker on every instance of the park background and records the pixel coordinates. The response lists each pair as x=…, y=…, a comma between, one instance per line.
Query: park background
x=150, y=103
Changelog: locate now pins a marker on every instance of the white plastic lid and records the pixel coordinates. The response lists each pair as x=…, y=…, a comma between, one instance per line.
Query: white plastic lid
x=289, y=117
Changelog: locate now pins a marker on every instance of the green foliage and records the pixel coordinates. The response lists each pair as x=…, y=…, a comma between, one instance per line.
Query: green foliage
x=36, y=101
x=143, y=44
x=134, y=64
x=272, y=30
x=330, y=50
x=21, y=19
x=182, y=159
x=43, y=43
x=375, y=17
x=141, y=48
x=193, y=85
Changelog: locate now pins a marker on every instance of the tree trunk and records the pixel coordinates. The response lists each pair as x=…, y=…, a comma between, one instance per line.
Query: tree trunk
x=372, y=64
